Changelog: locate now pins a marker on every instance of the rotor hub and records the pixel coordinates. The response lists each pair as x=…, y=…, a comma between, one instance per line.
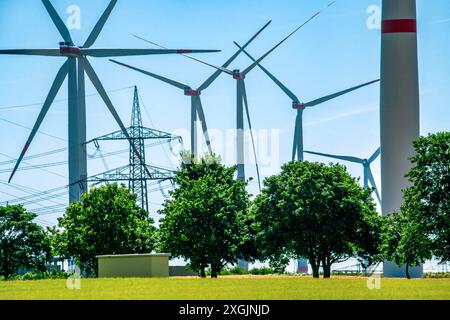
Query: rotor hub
x=191, y=92
x=298, y=106
x=69, y=49
x=238, y=75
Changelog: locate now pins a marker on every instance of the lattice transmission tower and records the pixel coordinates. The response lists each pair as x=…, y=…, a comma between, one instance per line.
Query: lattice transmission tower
x=137, y=173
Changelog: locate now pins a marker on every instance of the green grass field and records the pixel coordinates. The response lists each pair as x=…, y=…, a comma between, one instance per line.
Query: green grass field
x=225, y=288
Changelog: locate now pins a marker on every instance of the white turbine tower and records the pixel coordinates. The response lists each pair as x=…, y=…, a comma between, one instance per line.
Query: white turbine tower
x=75, y=68
x=399, y=107
x=194, y=94
x=367, y=174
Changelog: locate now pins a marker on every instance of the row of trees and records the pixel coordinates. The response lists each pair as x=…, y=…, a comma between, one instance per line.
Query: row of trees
x=309, y=210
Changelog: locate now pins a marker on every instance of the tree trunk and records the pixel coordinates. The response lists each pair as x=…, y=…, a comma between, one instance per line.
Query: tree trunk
x=326, y=269
x=202, y=271
x=315, y=268
x=214, y=271
x=407, y=271
x=6, y=272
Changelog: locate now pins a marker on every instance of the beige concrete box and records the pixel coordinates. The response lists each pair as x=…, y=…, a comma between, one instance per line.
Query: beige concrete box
x=133, y=265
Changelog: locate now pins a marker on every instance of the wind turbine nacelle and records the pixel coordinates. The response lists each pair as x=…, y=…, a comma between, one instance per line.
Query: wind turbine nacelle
x=298, y=106
x=191, y=92
x=237, y=75
x=69, y=50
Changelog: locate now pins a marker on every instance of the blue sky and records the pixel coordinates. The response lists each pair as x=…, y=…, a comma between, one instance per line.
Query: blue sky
x=335, y=51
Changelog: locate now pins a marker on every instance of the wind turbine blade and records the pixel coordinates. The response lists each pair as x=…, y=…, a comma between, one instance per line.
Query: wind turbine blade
x=201, y=115
x=102, y=53
x=57, y=83
x=100, y=24
x=375, y=155
x=244, y=93
x=372, y=182
x=288, y=92
x=222, y=69
x=57, y=21
x=338, y=94
x=345, y=158
x=216, y=74
x=250, y=68
x=99, y=87
x=174, y=83
x=33, y=52
x=219, y=69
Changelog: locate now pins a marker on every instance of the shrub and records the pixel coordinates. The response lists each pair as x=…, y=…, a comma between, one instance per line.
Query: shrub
x=41, y=276
x=261, y=271
x=437, y=275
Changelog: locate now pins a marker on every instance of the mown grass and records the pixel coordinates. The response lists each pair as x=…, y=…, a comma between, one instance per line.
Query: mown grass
x=228, y=287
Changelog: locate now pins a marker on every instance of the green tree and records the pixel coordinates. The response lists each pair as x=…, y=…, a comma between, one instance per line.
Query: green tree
x=404, y=242
x=318, y=212
x=205, y=219
x=106, y=221
x=23, y=243
x=427, y=200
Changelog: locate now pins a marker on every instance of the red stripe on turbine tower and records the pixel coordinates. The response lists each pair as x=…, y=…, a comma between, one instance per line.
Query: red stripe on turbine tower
x=399, y=26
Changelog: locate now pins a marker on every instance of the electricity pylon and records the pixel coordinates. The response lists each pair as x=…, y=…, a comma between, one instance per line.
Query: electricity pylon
x=137, y=172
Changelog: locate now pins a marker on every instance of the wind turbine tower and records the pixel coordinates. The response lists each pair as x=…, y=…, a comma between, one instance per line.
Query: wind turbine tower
x=75, y=68
x=399, y=109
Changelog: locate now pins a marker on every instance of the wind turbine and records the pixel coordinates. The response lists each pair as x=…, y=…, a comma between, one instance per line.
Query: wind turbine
x=194, y=94
x=241, y=101
x=368, y=176
x=74, y=68
x=297, y=147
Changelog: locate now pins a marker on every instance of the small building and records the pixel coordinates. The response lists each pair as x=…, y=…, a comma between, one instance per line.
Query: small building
x=133, y=265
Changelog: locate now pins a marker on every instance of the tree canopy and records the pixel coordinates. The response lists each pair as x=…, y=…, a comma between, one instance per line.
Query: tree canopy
x=205, y=219
x=422, y=227
x=23, y=243
x=404, y=242
x=427, y=200
x=318, y=212
x=106, y=221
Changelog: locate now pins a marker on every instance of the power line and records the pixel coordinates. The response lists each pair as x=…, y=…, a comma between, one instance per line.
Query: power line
x=24, y=189
x=48, y=171
x=45, y=209
x=153, y=125
x=49, y=195
x=44, y=198
x=47, y=134
x=38, y=155
x=37, y=166
x=28, y=128
x=39, y=194
x=56, y=101
x=52, y=152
